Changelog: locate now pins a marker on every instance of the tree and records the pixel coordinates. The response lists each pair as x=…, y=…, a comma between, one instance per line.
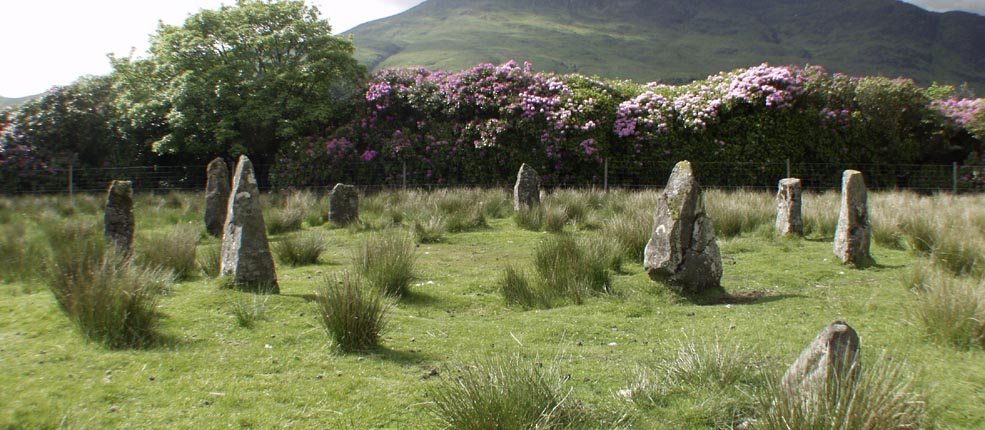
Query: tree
x=243, y=79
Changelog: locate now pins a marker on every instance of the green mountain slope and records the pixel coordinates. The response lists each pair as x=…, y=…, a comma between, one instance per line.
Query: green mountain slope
x=680, y=40
x=14, y=102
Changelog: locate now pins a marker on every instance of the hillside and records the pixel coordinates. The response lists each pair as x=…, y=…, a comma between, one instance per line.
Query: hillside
x=681, y=40
x=13, y=102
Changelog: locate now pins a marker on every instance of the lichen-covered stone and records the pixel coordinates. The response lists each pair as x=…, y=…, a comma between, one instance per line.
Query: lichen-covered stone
x=788, y=212
x=118, y=219
x=852, y=236
x=246, y=256
x=526, y=192
x=216, y=196
x=343, y=205
x=833, y=355
x=682, y=251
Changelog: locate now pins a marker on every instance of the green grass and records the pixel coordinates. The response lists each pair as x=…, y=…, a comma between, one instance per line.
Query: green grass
x=286, y=372
x=353, y=315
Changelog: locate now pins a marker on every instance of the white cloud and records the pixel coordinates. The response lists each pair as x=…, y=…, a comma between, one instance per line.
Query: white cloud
x=974, y=6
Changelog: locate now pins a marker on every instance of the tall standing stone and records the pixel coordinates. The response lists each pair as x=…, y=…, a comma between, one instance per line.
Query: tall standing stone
x=216, y=196
x=788, y=202
x=343, y=205
x=118, y=219
x=526, y=192
x=246, y=254
x=682, y=251
x=853, y=232
x=833, y=355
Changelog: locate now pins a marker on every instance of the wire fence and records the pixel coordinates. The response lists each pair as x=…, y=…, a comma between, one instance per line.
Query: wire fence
x=923, y=178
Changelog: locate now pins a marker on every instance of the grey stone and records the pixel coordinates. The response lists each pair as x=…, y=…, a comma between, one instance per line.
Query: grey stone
x=526, y=192
x=682, y=251
x=118, y=220
x=246, y=256
x=852, y=236
x=343, y=205
x=216, y=196
x=833, y=355
x=788, y=203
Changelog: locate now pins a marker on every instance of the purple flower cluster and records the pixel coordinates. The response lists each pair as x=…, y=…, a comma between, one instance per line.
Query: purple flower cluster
x=960, y=112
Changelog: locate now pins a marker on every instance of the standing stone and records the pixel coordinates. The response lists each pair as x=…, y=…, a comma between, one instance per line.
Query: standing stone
x=682, y=252
x=526, y=192
x=216, y=196
x=343, y=205
x=118, y=220
x=833, y=355
x=246, y=254
x=853, y=231
x=788, y=198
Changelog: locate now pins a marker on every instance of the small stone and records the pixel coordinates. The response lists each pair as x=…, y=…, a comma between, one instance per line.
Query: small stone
x=526, y=192
x=216, y=196
x=343, y=205
x=833, y=355
x=118, y=220
x=852, y=236
x=788, y=204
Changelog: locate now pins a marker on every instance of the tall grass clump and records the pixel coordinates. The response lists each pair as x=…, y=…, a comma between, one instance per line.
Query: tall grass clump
x=386, y=261
x=881, y=397
x=529, y=218
x=210, y=260
x=353, y=316
x=739, y=212
x=505, y=394
x=300, y=249
x=173, y=250
x=951, y=309
x=566, y=270
x=517, y=290
x=297, y=207
x=248, y=310
x=630, y=229
x=431, y=230
x=23, y=250
x=111, y=299
x=820, y=213
x=711, y=385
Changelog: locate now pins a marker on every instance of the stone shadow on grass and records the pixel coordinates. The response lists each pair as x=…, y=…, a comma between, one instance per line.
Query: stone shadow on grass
x=718, y=296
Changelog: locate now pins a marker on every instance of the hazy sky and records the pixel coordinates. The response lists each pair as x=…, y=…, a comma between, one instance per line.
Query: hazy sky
x=53, y=42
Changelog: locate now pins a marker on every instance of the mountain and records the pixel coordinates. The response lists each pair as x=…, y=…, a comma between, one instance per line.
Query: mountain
x=14, y=102
x=681, y=40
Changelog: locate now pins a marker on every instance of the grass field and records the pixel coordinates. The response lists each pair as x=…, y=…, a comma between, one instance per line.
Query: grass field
x=623, y=358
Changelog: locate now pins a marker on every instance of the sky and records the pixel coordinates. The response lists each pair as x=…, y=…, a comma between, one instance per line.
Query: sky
x=53, y=42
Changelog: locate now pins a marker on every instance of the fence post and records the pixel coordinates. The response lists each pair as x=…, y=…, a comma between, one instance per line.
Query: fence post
x=954, y=177
x=605, y=175
x=404, y=176
x=788, y=168
x=71, y=185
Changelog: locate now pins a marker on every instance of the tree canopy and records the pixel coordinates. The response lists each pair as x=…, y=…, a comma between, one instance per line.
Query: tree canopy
x=242, y=79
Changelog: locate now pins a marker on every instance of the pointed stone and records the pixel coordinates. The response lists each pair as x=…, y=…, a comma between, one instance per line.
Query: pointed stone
x=343, y=205
x=216, y=196
x=852, y=236
x=246, y=256
x=526, y=192
x=833, y=355
x=682, y=251
x=118, y=220
x=788, y=203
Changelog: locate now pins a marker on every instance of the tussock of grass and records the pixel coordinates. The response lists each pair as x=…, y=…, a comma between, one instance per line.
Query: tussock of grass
x=173, y=250
x=353, y=316
x=431, y=230
x=110, y=299
x=506, y=393
x=250, y=309
x=517, y=290
x=740, y=212
x=820, y=214
x=210, y=260
x=951, y=309
x=566, y=270
x=881, y=398
x=386, y=261
x=22, y=250
x=300, y=249
x=716, y=384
